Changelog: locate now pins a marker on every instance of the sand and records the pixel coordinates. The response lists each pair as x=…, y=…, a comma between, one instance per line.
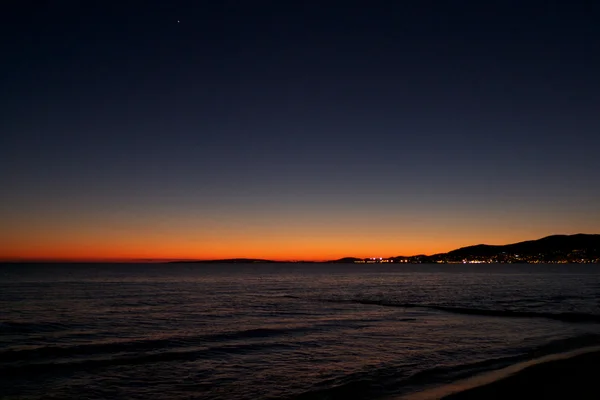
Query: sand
x=577, y=377
x=573, y=375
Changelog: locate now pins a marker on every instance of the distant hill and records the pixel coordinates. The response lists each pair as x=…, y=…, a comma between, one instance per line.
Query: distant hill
x=225, y=261
x=345, y=260
x=569, y=248
x=556, y=247
x=549, y=244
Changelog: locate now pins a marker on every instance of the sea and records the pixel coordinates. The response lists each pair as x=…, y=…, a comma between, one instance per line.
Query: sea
x=281, y=331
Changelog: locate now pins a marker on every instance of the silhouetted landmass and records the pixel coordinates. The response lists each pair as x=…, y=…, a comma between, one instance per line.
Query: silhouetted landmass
x=345, y=260
x=550, y=244
x=225, y=261
x=571, y=248
x=557, y=248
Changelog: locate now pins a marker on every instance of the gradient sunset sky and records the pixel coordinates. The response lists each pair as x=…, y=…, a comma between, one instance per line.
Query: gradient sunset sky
x=295, y=129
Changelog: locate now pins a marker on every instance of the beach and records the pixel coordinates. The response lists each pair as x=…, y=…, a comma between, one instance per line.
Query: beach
x=574, y=378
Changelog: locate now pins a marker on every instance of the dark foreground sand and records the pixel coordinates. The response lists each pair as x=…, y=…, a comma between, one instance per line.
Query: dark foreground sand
x=573, y=378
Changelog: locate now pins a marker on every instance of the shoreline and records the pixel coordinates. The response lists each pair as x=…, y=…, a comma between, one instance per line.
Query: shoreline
x=562, y=375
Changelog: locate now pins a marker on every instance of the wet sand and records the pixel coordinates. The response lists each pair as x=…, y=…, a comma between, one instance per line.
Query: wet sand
x=577, y=377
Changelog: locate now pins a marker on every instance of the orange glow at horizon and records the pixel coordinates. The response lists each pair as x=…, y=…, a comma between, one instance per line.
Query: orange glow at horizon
x=152, y=247
x=155, y=250
x=318, y=236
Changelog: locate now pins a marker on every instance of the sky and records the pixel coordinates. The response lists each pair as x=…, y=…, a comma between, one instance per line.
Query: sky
x=295, y=129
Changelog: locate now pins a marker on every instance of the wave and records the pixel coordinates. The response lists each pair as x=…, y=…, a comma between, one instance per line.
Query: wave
x=141, y=346
x=396, y=379
x=567, y=297
x=14, y=327
x=564, y=316
x=24, y=367
x=402, y=378
x=92, y=349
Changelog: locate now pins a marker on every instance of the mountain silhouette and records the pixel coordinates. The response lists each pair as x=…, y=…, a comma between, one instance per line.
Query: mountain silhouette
x=550, y=245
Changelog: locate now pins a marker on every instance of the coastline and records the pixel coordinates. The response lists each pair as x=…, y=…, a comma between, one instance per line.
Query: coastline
x=557, y=376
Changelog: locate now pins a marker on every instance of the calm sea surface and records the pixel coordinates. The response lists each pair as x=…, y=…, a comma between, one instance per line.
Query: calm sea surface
x=266, y=331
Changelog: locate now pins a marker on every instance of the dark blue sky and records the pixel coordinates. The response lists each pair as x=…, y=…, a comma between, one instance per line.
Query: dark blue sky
x=481, y=117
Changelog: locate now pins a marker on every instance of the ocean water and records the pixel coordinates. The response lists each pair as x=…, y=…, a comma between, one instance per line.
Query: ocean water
x=280, y=331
